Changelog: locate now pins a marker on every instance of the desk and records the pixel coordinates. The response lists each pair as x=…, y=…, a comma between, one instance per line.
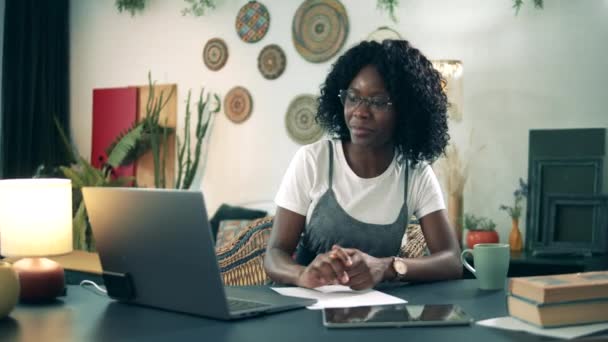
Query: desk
x=81, y=265
x=87, y=316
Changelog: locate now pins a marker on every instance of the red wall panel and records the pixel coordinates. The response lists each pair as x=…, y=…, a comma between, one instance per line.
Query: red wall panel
x=114, y=110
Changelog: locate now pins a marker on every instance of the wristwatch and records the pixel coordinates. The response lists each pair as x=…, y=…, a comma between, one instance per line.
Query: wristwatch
x=400, y=268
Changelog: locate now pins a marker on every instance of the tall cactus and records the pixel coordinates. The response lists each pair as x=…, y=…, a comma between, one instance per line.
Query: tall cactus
x=186, y=166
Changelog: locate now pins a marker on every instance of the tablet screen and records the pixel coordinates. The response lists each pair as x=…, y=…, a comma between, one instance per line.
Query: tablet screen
x=395, y=315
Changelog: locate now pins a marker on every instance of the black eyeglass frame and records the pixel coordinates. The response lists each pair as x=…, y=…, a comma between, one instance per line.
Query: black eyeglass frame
x=369, y=101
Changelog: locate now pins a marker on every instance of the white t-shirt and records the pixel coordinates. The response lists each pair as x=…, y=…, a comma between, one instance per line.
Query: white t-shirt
x=376, y=200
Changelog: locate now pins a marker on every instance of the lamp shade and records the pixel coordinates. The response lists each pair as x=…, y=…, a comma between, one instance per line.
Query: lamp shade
x=35, y=217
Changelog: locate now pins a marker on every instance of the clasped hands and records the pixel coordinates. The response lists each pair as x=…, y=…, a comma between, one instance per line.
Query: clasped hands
x=343, y=266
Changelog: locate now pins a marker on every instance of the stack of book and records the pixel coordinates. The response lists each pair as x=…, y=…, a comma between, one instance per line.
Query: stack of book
x=560, y=300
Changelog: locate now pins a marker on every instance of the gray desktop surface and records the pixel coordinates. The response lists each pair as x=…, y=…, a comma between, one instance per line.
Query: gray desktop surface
x=84, y=315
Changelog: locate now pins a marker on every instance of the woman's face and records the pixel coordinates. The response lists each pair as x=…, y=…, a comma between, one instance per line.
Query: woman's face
x=368, y=111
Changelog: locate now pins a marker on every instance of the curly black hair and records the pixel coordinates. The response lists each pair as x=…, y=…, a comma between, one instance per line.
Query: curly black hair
x=415, y=89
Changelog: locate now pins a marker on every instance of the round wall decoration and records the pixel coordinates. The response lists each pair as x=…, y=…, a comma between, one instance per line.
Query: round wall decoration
x=238, y=104
x=215, y=54
x=319, y=29
x=271, y=61
x=300, y=120
x=252, y=22
x=382, y=33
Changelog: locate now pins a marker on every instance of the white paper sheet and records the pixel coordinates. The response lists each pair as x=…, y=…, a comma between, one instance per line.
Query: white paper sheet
x=339, y=296
x=510, y=323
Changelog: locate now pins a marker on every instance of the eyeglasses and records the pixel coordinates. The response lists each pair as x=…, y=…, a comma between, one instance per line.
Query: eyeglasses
x=350, y=100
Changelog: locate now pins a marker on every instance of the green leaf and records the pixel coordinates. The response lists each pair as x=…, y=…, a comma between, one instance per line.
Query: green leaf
x=128, y=147
x=132, y=6
x=76, y=178
x=79, y=227
x=198, y=7
x=538, y=4
x=389, y=6
x=66, y=141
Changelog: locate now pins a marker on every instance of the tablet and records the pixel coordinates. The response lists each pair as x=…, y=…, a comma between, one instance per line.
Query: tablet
x=397, y=315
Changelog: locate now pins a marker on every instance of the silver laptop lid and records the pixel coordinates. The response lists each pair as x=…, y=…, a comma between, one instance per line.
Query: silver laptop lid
x=163, y=240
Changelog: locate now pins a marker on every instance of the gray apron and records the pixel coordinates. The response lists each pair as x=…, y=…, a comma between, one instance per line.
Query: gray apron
x=330, y=224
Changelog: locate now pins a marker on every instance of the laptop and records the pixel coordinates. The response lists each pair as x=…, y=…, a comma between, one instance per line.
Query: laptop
x=156, y=249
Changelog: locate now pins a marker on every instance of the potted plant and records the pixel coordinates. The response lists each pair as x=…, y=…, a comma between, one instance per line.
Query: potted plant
x=515, y=213
x=149, y=134
x=143, y=136
x=82, y=174
x=480, y=230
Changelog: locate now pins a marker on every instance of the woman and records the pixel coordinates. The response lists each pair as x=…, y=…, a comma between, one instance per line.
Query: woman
x=344, y=204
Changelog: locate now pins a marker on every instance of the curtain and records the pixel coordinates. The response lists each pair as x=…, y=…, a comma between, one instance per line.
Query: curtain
x=35, y=86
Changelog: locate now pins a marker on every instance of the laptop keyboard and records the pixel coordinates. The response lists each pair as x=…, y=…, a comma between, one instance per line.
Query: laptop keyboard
x=240, y=305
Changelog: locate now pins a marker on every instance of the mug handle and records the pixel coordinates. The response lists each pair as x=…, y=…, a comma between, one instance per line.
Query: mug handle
x=464, y=261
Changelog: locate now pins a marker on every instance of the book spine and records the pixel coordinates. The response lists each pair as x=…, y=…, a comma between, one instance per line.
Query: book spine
x=558, y=314
x=568, y=302
x=525, y=289
x=540, y=293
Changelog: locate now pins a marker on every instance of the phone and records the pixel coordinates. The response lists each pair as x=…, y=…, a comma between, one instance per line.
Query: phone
x=395, y=315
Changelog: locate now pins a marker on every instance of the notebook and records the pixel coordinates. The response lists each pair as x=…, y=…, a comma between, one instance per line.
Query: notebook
x=156, y=249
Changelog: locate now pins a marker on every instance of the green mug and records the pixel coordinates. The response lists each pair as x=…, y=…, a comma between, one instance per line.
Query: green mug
x=491, y=264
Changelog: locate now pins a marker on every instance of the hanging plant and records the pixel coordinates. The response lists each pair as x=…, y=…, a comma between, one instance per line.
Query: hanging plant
x=198, y=7
x=133, y=6
x=389, y=6
x=518, y=3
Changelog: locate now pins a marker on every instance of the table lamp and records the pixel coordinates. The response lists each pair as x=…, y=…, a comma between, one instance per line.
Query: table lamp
x=36, y=221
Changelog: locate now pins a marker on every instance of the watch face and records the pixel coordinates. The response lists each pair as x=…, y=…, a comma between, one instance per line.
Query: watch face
x=400, y=266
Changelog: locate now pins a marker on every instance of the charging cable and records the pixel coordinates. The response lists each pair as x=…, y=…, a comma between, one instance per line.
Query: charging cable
x=98, y=288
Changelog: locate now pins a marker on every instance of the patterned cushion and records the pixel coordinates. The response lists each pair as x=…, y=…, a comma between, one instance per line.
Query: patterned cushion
x=229, y=230
x=229, y=212
x=415, y=246
x=241, y=260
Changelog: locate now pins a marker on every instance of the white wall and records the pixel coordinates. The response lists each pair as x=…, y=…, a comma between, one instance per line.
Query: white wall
x=540, y=69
